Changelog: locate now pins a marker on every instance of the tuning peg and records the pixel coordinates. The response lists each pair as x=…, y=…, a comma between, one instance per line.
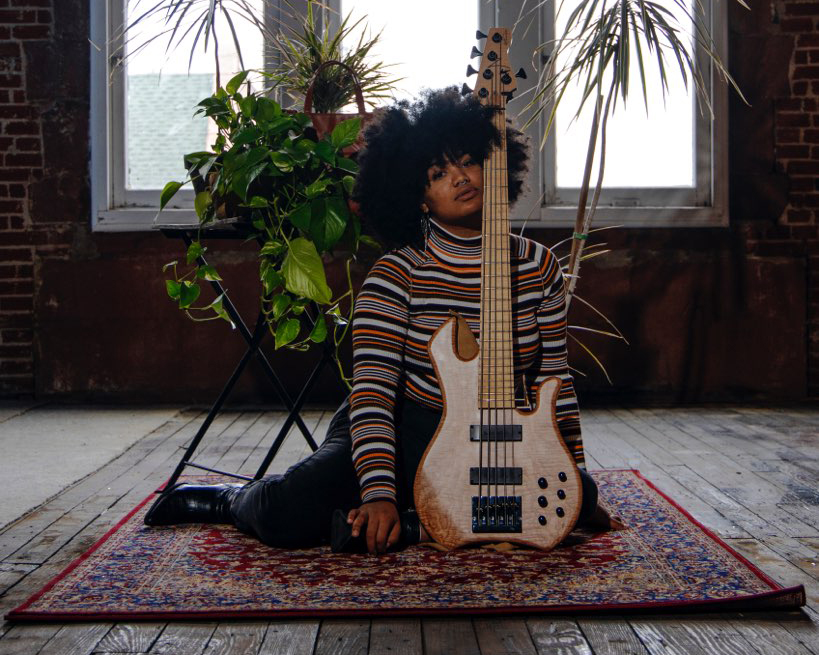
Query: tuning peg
x=521, y=74
x=465, y=90
x=508, y=94
x=480, y=35
x=470, y=70
x=475, y=53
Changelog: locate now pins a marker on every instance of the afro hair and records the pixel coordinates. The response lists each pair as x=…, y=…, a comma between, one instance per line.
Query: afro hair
x=406, y=139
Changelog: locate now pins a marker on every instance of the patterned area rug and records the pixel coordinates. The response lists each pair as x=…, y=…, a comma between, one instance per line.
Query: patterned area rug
x=664, y=559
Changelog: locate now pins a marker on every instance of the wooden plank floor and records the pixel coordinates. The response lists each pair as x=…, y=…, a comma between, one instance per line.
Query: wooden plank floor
x=749, y=474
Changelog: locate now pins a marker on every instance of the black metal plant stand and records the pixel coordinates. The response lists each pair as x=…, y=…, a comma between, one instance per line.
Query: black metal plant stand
x=230, y=229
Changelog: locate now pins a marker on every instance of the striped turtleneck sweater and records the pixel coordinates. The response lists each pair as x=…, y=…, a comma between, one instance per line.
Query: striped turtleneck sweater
x=407, y=295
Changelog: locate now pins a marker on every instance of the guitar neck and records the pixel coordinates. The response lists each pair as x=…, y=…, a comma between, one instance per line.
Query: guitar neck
x=497, y=383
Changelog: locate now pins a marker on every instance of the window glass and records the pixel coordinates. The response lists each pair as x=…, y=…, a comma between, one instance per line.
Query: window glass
x=653, y=151
x=428, y=40
x=162, y=93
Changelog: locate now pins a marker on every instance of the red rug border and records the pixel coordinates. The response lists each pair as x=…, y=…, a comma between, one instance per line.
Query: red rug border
x=755, y=601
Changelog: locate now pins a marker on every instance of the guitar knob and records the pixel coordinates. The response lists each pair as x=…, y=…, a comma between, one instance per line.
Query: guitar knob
x=476, y=53
x=465, y=90
x=542, y=501
x=541, y=482
x=506, y=79
x=561, y=494
x=480, y=35
x=561, y=476
x=541, y=519
x=559, y=511
x=521, y=74
x=470, y=71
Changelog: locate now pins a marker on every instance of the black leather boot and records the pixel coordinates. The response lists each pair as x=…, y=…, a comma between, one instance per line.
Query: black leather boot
x=190, y=503
x=342, y=540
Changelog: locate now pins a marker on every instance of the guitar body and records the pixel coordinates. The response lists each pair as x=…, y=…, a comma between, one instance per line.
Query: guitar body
x=443, y=489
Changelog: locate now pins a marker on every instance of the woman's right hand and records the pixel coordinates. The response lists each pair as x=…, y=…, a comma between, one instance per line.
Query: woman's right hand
x=380, y=519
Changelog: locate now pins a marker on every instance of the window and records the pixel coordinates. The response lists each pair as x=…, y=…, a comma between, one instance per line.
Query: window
x=669, y=170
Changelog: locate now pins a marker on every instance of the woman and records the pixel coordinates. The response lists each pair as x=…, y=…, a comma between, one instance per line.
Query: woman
x=421, y=188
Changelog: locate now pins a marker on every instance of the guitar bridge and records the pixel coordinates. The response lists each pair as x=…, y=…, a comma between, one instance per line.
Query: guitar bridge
x=496, y=514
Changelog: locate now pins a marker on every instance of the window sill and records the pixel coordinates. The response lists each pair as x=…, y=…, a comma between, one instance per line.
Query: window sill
x=141, y=220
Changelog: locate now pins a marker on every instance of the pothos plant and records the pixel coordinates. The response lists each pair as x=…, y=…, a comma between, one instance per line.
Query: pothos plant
x=290, y=188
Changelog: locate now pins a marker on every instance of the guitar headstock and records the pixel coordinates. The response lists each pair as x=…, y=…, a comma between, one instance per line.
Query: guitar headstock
x=496, y=84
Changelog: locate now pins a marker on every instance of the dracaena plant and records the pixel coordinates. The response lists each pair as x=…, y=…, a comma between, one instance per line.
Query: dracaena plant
x=605, y=46
x=290, y=188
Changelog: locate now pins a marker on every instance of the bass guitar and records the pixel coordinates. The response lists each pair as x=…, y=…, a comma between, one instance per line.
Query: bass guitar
x=493, y=471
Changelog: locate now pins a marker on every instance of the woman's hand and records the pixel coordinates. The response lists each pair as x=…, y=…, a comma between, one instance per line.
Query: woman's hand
x=380, y=519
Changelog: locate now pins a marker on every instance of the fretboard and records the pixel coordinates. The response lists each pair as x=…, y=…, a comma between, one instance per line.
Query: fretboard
x=497, y=381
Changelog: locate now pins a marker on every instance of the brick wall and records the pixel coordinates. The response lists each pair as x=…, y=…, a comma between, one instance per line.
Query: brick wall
x=83, y=315
x=21, y=163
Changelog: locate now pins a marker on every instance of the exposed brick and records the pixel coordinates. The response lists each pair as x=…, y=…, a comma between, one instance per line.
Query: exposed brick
x=788, y=135
x=31, y=3
x=799, y=88
x=16, y=223
x=807, y=40
x=10, y=49
x=16, y=287
x=16, y=336
x=17, y=191
x=31, y=32
x=11, y=81
x=801, y=8
x=10, y=255
x=811, y=201
x=21, y=159
x=16, y=303
x=18, y=16
x=805, y=73
x=796, y=25
x=800, y=57
x=16, y=366
x=804, y=167
x=5, y=32
x=22, y=127
x=789, y=104
x=779, y=249
x=14, y=175
x=793, y=152
x=809, y=104
x=43, y=16
x=19, y=97
x=811, y=136
x=803, y=183
x=27, y=144
x=11, y=206
x=15, y=352
x=799, y=216
x=19, y=321
x=804, y=232
x=814, y=88
x=787, y=119
x=17, y=111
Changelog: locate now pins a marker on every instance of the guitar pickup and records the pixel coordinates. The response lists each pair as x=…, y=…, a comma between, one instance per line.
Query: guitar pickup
x=496, y=433
x=496, y=475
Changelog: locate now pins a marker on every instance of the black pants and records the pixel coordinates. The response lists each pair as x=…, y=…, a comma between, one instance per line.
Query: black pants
x=294, y=510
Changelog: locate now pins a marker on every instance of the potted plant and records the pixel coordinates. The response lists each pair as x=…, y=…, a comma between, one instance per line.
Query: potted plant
x=292, y=189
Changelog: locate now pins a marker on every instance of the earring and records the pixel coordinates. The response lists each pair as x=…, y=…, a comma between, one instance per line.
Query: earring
x=425, y=228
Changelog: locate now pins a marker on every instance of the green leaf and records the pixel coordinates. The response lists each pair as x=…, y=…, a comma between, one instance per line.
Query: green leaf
x=188, y=293
x=168, y=192
x=329, y=219
x=282, y=161
x=271, y=280
x=169, y=265
x=317, y=188
x=207, y=273
x=319, y=332
x=300, y=217
x=280, y=303
x=367, y=240
x=346, y=165
x=286, y=331
x=272, y=247
x=257, y=202
x=235, y=82
x=345, y=133
x=219, y=310
x=325, y=152
x=349, y=183
x=172, y=288
x=202, y=201
x=304, y=272
x=195, y=250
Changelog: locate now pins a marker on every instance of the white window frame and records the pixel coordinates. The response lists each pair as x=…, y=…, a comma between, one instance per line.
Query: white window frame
x=113, y=209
